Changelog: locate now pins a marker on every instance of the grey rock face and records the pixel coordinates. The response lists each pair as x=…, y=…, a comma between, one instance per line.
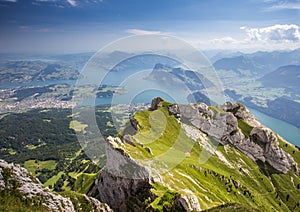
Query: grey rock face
x=262, y=145
x=19, y=179
x=271, y=152
x=240, y=112
x=187, y=202
x=174, y=109
x=30, y=187
x=122, y=178
x=155, y=103
x=200, y=116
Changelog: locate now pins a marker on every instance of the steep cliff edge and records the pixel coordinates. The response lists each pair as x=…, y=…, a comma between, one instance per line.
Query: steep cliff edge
x=196, y=157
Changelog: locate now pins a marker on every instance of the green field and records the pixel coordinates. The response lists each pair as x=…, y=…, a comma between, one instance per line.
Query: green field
x=53, y=179
x=35, y=166
x=84, y=182
x=77, y=126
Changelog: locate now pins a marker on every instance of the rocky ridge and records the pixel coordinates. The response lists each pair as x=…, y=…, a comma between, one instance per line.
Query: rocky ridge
x=261, y=144
x=125, y=183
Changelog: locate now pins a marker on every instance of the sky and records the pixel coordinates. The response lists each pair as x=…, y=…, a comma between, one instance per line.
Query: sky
x=63, y=26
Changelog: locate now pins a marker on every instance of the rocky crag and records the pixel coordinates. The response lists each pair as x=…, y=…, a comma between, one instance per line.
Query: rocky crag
x=257, y=142
x=17, y=183
x=196, y=157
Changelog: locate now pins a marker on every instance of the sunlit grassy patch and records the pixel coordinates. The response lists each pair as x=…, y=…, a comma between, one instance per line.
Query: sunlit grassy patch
x=36, y=165
x=53, y=179
x=84, y=182
x=77, y=126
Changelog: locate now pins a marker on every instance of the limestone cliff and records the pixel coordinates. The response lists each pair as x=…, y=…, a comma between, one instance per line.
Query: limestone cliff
x=122, y=179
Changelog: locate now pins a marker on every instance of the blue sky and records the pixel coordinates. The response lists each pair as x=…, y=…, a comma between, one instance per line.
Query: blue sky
x=87, y=25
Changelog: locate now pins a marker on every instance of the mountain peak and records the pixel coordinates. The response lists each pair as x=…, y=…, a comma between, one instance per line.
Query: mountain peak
x=196, y=157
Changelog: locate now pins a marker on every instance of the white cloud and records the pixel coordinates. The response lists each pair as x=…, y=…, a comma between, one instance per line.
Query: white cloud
x=276, y=37
x=14, y=1
x=34, y=29
x=72, y=3
x=290, y=6
x=142, y=32
x=24, y=28
x=224, y=40
x=276, y=33
x=64, y=3
x=43, y=30
x=217, y=43
x=281, y=5
x=59, y=3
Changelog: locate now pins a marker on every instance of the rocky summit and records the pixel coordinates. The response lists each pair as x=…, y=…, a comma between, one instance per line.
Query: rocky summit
x=196, y=157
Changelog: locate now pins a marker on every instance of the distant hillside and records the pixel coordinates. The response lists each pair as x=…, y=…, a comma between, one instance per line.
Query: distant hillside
x=25, y=71
x=238, y=64
x=169, y=75
x=259, y=62
x=283, y=77
x=280, y=108
x=178, y=76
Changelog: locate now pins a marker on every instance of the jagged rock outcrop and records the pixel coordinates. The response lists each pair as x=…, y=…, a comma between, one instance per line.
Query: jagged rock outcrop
x=155, y=103
x=200, y=116
x=270, y=151
x=262, y=143
x=240, y=112
x=17, y=180
x=222, y=124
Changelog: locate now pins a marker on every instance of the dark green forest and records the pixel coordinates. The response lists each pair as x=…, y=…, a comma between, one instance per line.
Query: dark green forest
x=45, y=135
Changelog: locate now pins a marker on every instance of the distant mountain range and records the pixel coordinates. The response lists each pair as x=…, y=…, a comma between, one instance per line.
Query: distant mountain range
x=266, y=81
x=284, y=77
x=239, y=64
x=259, y=63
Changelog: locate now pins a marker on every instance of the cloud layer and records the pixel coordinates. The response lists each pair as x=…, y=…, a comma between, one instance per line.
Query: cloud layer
x=279, y=36
x=72, y=3
x=281, y=5
x=142, y=32
x=276, y=33
x=14, y=1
